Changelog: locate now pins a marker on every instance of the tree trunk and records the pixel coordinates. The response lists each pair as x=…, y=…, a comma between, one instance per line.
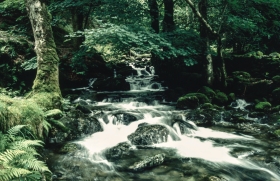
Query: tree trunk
x=154, y=13
x=45, y=90
x=207, y=57
x=221, y=73
x=78, y=25
x=168, y=24
x=221, y=67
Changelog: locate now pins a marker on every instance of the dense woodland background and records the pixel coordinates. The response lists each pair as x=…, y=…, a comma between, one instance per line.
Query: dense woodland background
x=181, y=36
x=227, y=45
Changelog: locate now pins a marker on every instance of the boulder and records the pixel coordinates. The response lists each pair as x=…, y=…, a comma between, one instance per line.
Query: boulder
x=263, y=106
x=148, y=162
x=118, y=151
x=149, y=135
x=192, y=100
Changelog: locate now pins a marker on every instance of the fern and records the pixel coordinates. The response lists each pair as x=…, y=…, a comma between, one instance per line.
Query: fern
x=19, y=157
x=46, y=126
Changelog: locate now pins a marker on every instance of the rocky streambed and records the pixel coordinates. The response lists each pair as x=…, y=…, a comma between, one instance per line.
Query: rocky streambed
x=139, y=136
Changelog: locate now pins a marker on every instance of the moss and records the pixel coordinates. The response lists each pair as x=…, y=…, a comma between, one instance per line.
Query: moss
x=277, y=132
x=47, y=100
x=206, y=106
x=263, y=106
x=241, y=75
x=21, y=111
x=201, y=97
x=187, y=102
x=210, y=93
x=259, y=53
x=220, y=99
x=231, y=97
x=275, y=55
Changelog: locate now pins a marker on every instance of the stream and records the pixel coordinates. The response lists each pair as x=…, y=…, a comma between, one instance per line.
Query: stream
x=145, y=138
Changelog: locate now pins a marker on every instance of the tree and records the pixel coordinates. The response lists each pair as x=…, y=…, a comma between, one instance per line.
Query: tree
x=45, y=90
x=220, y=68
x=154, y=13
x=204, y=34
x=168, y=24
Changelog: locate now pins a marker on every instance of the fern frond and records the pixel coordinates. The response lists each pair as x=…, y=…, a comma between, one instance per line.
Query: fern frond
x=10, y=155
x=34, y=164
x=8, y=174
x=15, y=130
x=46, y=126
x=26, y=143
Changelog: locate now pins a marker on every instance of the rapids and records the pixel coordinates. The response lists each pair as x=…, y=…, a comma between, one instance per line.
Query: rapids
x=191, y=153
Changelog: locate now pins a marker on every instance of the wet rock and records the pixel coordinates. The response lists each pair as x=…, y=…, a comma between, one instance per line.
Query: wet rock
x=148, y=135
x=121, y=117
x=215, y=178
x=184, y=126
x=77, y=127
x=118, y=151
x=148, y=163
x=84, y=108
x=68, y=148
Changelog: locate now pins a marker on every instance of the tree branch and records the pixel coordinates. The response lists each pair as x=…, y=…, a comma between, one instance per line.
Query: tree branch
x=200, y=17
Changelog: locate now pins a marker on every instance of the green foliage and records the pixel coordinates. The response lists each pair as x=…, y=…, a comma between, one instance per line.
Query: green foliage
x=30, y=64
x=19, y=157
x=14, y=11
x=116, y=41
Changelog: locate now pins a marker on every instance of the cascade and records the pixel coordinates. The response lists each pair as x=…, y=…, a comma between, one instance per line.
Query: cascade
x=137, y=134
x=144, y=79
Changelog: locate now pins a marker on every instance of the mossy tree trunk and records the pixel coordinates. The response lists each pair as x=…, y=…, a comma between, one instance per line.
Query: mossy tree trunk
x=45, y=90
x=207, y=57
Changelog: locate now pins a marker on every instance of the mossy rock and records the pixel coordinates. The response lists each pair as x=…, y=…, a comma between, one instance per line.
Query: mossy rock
x=187, y=102
x=210, y=93
x=231, y=97
x=206, y=106
x=69, y=148
x=263, y=106
x=277, y=132
x=21, y=112
x=201, y=97
x=220, y=99
x=192, y=100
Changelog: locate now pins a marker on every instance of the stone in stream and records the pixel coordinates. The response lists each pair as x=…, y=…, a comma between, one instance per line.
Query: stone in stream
x=148, y=163
x=149, y=135
x=118, y=151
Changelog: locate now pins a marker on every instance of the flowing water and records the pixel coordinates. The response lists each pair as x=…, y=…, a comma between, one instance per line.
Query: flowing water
x=191, y=153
